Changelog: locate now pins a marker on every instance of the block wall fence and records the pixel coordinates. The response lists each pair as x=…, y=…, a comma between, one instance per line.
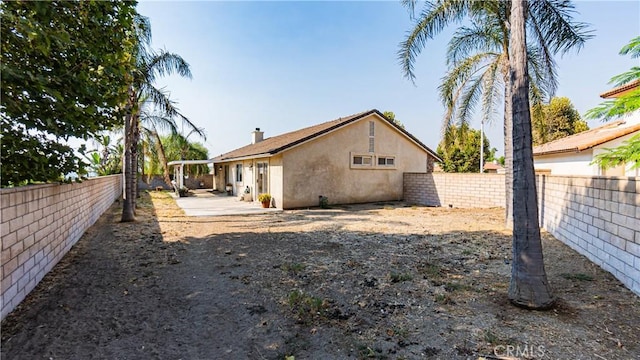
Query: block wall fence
x=599, y=217
x=39, y=225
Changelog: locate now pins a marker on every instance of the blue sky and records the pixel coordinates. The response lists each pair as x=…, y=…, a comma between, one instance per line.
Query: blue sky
x=286, y=65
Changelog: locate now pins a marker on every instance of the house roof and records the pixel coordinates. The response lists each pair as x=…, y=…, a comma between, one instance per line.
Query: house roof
x=620, y=90
x=492, y=166
x=276, y=144
x=588, y=139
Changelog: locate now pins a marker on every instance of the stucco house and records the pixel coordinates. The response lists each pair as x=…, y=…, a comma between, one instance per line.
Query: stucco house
x=573, y=154
x=354, y=159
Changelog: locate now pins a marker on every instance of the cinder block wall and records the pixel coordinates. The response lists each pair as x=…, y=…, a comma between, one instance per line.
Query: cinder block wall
x=40, y=223
x=456, y=190
x=599, y=217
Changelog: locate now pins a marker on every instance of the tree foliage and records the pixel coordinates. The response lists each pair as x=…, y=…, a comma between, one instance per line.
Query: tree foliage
x=144, y=95
x=459, y=150
x=176, y=147
x=64, y=72
x=106, y=159
x=555, y=120
x=478, y=57
x=391, y=116
x=629, y=151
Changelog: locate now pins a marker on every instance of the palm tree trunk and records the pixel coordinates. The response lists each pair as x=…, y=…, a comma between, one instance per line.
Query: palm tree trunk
x=135, y=129
x=162, y=157
x=529, y=287
x=127, y=204
x=508, y=154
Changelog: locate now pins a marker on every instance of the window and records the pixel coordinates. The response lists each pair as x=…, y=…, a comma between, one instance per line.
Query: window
x=386, y=161
x=238, y=172
x=362, y=160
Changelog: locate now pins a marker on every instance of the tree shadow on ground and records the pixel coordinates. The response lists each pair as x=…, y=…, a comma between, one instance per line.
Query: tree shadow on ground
x=322, y=291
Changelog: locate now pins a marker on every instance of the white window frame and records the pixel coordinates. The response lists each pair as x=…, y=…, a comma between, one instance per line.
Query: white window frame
x=386, y=165
x=363, y=157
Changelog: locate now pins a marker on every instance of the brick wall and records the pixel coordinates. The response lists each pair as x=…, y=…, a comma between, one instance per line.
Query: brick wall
x=456, y=190
x=40, y=223
x=599, y=217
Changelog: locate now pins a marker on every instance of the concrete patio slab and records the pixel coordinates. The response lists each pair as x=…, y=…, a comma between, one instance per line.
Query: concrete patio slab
x=207, y=203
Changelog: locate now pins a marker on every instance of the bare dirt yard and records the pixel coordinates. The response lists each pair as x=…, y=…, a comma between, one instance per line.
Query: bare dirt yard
x=377, y=281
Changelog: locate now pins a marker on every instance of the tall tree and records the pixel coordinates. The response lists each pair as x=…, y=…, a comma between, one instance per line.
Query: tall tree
x=555, y=120
x=63, y=66
x=149, y=66
x=529, y=286
x=459, y=149
x=154, y=121
x=479, y=56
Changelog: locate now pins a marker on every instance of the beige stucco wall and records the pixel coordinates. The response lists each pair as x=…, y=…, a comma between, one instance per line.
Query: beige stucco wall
x=276, y=180
x=249, y=174
x=323, y=166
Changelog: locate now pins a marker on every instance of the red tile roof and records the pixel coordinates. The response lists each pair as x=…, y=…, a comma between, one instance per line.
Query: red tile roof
x=588, y=139
x=492, y=166
x=276, y=144
x=620, y=89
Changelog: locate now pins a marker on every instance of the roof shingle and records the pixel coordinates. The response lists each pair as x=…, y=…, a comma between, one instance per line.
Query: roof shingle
x=588, y=139
x=620, y=89
x=276, y=144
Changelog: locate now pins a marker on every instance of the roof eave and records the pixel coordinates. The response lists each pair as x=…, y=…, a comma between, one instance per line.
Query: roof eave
x=560, y=151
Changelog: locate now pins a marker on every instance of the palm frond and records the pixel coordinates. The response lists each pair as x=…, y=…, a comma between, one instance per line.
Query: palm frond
x=470, y=97
x=467, y=40
x=491, y=95
x=455, y=82
x=542, y=71
x=432, y=20
x=554, y=21
x=632, y=48
x=626, y=77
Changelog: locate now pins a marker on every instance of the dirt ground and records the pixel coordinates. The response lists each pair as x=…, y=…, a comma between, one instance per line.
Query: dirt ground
x=379, y=281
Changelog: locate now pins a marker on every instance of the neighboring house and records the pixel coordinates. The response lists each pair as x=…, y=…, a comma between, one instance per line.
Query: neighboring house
x=493, y=168
x=355, y=159
x=573, y=155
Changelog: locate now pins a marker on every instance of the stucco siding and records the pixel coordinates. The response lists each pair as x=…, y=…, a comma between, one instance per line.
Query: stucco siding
x=620, y=171
x=579, y=163
x=276, y=180
x=323, y=167
x=567, y=163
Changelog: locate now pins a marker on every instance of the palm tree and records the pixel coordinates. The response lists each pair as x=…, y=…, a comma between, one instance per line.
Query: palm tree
x=479, y=57
x=529, y=286
x=552, y=30
x=106, y=159
x=153, y=122
x=149, y=66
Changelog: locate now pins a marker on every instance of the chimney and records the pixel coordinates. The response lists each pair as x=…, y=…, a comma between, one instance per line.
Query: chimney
x=256, y=136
